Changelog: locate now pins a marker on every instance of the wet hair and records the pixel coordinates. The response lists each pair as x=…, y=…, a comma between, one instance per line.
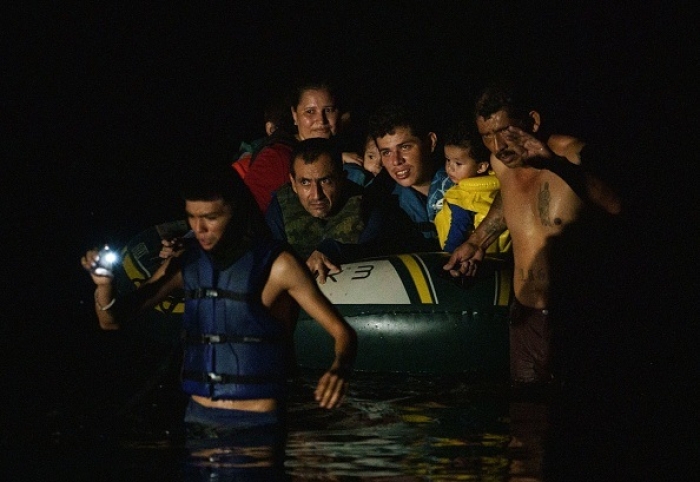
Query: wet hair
x=309, y=150
x=504, y=96
x=211, y=182
x=388, y=117
x=214, y=181
x=464, y=134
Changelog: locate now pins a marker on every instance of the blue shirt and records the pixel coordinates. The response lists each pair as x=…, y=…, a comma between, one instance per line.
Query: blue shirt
x=441, y=182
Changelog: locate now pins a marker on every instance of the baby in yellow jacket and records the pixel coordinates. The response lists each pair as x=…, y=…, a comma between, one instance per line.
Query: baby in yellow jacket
x=466, y=203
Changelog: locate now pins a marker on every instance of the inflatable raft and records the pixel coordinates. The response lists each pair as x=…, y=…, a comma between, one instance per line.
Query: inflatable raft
x=409, y=315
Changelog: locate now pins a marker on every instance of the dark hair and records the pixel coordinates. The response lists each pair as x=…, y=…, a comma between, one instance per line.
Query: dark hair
x=388, y=117
x=277, y=112
x=503, y=96
x=309, y=150
x=362, y=148
x=464, y=134
x=312, y=84
x=211, y=182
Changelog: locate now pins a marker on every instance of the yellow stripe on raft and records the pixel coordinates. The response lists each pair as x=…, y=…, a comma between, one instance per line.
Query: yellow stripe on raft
x=504, y=282
x=418, y=277
x=134, y=274
x=168, y=305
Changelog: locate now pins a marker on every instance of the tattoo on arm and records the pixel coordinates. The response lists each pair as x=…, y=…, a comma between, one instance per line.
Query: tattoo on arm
x=494, y=227
x=491, y=226
x=495, y=220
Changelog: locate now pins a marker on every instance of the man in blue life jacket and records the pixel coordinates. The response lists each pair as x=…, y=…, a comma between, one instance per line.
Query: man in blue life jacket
x=243, y=291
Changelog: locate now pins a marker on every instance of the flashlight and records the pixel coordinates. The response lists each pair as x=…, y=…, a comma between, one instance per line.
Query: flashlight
x=105, y=262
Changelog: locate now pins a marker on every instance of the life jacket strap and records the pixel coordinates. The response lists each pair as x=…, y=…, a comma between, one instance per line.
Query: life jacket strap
x=214, y=338
x=226, y=378
x=200, y=293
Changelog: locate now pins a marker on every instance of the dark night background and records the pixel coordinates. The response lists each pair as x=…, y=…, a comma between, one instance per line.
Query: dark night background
x=101, y=106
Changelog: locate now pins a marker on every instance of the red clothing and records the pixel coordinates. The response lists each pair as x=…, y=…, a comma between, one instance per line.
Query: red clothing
x=268, y=172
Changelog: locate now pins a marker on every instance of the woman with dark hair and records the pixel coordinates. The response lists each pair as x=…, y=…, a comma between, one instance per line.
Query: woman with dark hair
x=315, y=114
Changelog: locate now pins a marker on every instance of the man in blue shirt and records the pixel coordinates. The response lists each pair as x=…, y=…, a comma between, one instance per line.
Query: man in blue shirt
x=400, y=191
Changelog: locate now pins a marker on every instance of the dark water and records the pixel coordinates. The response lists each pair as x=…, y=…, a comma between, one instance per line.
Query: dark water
x=393, y=427
x=114, y=414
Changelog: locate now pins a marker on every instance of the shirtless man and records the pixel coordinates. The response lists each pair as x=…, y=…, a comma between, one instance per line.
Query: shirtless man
x=242, y=293
x=543, y=189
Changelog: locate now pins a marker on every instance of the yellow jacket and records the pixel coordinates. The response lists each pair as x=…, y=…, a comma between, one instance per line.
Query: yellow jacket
x=472, y=194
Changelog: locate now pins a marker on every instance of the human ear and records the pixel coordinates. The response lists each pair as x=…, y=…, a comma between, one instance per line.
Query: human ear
x=432, y=138
x=483, y=167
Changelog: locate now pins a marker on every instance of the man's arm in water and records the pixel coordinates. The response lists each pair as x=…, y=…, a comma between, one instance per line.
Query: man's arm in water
x=291, y=276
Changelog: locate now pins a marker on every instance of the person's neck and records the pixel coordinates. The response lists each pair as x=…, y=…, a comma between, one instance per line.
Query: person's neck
x=422, y=188
x=231, y=247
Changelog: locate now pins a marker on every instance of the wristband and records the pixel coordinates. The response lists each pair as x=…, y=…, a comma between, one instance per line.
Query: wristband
x=107, y=306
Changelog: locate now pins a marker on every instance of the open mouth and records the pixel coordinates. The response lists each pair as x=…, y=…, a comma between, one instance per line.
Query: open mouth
x=402, y=174
x=506, y=157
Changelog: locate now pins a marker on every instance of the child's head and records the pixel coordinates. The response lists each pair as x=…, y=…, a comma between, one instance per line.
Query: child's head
x=372, y=161
x=465, y=154
x=276, y=116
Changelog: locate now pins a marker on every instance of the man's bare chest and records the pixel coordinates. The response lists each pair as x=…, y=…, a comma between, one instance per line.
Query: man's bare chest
x=541, y=200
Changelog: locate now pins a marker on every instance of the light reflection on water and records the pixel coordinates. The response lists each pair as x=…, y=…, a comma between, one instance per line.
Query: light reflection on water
x=390, y=428
x=411, y=429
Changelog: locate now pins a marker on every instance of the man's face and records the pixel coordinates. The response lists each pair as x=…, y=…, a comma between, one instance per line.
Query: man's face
x=317, y=186
x=208, y=220
x=407, y=158
x=495, y=138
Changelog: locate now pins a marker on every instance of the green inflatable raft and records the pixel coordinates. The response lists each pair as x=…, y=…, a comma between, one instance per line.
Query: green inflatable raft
x=409, y=315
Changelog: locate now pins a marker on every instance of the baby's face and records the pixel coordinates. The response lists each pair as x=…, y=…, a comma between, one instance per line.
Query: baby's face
x=459, y=164
x=371, y=160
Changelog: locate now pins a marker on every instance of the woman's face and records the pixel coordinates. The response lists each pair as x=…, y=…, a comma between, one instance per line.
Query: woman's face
x=316, y=114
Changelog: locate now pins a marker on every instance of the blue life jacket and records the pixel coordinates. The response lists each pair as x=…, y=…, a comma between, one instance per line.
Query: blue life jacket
x=235, y=349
